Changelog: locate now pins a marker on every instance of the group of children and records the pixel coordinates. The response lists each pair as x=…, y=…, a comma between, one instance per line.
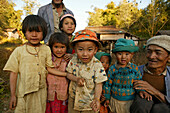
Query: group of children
x=92, y=83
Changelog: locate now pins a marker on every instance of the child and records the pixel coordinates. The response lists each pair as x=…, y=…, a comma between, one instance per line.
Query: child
x=105, y=59
x=58, y=86
x=84, y=97
x=67, y=25
x=28, y=64
x=118, y=90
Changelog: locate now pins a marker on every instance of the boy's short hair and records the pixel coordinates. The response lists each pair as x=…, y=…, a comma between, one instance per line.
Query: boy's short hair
x=58, y=37
x=85, y=35
x=66, y=16
x=34, y=23
x=125, y=45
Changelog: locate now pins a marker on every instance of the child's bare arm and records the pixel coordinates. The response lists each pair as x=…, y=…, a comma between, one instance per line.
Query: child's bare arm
x=56, y=72
x=78, y=80
x=96, y=102
x=13, y=82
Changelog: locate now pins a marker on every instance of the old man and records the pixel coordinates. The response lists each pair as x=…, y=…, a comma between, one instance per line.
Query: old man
x=156, y=78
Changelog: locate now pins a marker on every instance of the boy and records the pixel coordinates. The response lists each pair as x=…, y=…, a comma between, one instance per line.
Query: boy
x=88, y=73
x=118, y=90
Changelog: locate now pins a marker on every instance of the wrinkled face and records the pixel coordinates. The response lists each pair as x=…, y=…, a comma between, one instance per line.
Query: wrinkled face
x=34, y=37
x=105, y=62
x=157, y=56
x=59, y=49
x=123, y=58
x=68, y=26
x=57, y=1
x=85, y=50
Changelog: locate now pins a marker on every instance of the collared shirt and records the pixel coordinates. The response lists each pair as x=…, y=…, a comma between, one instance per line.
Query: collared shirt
x=163, y=73
x=93, y=72
x=31, y=69
x=57, y=17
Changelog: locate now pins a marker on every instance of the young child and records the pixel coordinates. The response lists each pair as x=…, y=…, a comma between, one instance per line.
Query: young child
x=88, y=74
x=118, y=90
x=58, y=86
x=67, y=25
x=28, y=64
x=105, y=59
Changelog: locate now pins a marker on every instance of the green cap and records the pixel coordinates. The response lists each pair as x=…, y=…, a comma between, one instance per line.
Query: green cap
x=125, y=45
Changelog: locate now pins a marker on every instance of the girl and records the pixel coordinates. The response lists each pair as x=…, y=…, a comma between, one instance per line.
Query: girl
x=68, y=25
x=58, y=86
x=28, y=64
x=105, y=59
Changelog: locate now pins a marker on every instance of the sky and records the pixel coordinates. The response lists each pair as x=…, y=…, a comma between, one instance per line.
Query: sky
x=80, y=8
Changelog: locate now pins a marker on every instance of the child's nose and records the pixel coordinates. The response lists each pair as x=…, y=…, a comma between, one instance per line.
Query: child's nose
x=34, y=33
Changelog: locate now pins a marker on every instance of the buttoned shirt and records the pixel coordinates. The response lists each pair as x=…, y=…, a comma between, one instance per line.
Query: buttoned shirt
x=31, y=68
x=57, y=18
x=93, y=72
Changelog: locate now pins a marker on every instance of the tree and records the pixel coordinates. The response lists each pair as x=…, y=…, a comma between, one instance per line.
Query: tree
x=9, y=17
x=102, y=17
x=30, y=6
x=154, y=17
x=127, y=14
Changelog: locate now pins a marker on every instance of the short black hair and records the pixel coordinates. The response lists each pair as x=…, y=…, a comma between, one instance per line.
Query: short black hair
x=34, y=23
x=61, y=22
x=58, y=37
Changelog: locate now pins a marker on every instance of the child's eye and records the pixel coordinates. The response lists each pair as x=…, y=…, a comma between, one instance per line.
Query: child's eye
x=127, y=53
x=56, y=46
x=80, y=49
x=63, y=47
x=90, y=49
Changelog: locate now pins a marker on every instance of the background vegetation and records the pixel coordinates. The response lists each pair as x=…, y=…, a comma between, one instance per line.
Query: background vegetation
x=144, y=23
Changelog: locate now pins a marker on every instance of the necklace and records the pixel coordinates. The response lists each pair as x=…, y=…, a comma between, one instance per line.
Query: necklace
x=36, y=52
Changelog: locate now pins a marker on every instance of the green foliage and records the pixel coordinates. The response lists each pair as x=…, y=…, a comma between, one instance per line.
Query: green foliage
x=9, y=17
x=30, y=6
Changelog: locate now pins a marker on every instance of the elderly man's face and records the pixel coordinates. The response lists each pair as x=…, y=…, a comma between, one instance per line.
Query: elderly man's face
x=157, y=56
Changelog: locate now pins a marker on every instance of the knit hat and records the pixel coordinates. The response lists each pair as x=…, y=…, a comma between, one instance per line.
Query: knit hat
x=65, y=16
x=125, y=45
x=98, y=55
x=85, y=35
x=160, y=40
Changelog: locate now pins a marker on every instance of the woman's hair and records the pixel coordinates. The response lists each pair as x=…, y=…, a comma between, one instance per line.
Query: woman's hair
x=62, y=20
x=58, y=37
x=34, y=23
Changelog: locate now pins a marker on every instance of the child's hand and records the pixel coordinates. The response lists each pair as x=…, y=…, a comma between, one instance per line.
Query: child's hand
x=106, y=104
x=145, y=95
x=80, y=82
x=95, y=105
x=68, y=57
x=13, y=102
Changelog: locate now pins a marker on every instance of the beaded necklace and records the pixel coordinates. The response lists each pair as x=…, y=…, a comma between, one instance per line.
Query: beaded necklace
x=36, y=52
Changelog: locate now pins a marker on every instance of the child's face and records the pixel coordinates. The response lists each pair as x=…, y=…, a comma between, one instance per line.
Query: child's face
x=59, y=49
x=105, y=62
x=34, y=37
x=68, y=26
x=123, y=58
x=85, y=50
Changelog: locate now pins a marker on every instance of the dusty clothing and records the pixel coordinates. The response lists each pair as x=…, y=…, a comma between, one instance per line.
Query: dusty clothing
x=34, y=102
x=157, y=81
x=71, y=107
x=93, y=72
x=141, y=105
x=117, y=106
x=31, y=71
x=57, y=84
